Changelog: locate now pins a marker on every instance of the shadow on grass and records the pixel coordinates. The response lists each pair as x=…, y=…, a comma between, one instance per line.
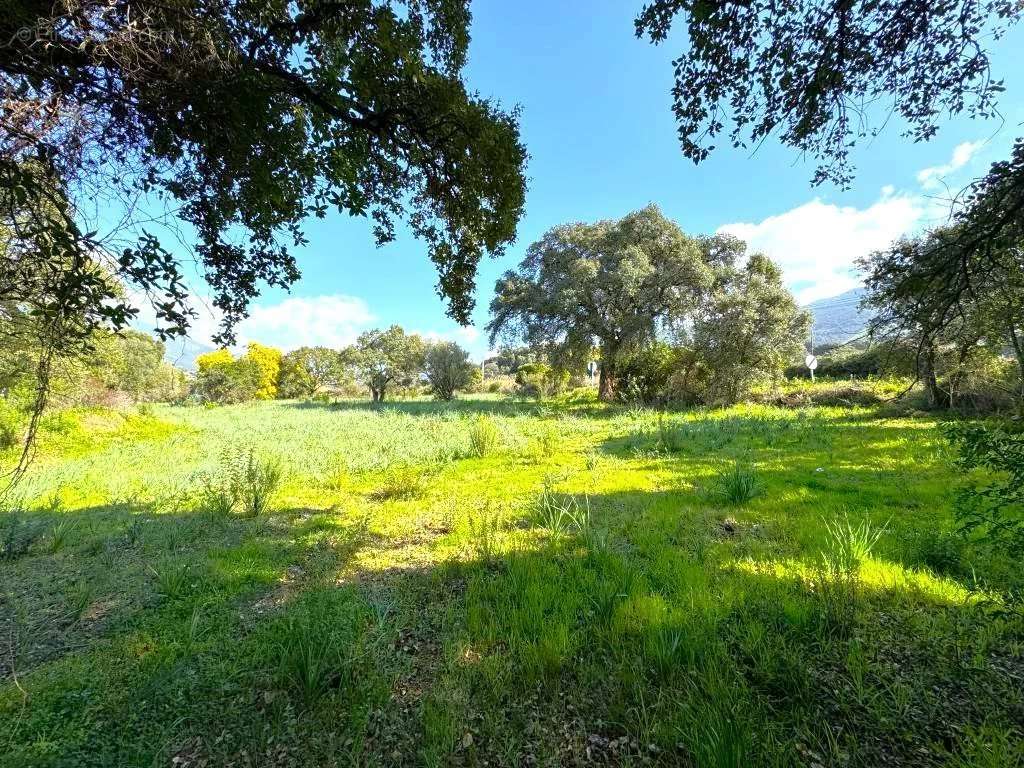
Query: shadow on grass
x=628, y=636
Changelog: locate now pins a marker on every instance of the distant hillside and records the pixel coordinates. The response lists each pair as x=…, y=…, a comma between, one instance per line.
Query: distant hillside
x=182, y=353
x=838, y=318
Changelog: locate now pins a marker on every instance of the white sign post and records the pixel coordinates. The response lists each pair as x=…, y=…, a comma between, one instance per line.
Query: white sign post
x=811, y=362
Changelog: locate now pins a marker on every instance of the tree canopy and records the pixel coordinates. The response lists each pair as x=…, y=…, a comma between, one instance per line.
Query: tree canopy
x=243, y=119
x=607, y=284
x=386, y=358
x=821, y=74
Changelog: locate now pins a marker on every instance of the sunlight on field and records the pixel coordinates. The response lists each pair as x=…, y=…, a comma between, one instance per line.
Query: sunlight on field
x=497, y=580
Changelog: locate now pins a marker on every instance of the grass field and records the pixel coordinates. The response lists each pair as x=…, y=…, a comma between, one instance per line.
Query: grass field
x=494, y=583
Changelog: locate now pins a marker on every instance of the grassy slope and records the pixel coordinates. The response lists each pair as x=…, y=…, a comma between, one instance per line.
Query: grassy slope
x=651, y=623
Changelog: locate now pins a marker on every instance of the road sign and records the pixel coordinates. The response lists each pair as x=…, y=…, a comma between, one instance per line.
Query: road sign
x=811, y=362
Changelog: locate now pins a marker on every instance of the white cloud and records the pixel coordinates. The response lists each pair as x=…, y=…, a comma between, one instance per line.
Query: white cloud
x=329, y=321
x=931, y=178
x=332, y=320
x=468, y=336
x=817, y=243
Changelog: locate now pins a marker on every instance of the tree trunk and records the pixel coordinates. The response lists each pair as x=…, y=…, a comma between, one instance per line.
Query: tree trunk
x=606, y=384
x=936, y=397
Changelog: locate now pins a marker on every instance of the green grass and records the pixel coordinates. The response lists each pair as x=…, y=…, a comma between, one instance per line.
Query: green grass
x=489, y=582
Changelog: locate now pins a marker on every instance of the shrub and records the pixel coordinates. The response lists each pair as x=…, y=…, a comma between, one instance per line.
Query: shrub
x=739, y=484
x=447, y=368
x=483, y=436
x=990, y=504
x=540, y=380
x=243, y=481
x=644, y=374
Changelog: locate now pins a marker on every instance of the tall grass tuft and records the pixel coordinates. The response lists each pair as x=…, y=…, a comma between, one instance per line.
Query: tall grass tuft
x=483, y=436
x=260, y=481
x=739, y=484
x=245, y=481
x=402, y=481
x=849, y=545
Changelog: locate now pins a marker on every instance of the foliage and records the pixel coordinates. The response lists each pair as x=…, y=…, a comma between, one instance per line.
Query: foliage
x=483, y=436
x=749, y=331
x=645, y=373
x=992, y=504
x=220, y=378
x=177, y=105
x=612, y=283
x=267, y=362
x=307, y=370
x=804, y=71
x=447, y=368
x=540, y=380
x=955, y=324
x=388, y=358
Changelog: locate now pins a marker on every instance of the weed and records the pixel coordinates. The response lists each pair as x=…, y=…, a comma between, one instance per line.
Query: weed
x=259, y=482
x=172, y=579
x=336, y=476
x=308, y=653
x=79, y=598
x=483, y=436
x=849, y=545
x=59, y=534
x=402, y=481
x=739, y=484
x=562, y=515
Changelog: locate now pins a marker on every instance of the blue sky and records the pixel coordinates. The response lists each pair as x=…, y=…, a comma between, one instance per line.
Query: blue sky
x=596, y=120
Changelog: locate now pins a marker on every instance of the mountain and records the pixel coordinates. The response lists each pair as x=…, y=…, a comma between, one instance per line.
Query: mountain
x=183, y=352
x=838, y=318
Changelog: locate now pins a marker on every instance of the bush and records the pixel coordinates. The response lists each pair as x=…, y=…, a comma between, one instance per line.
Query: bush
x=447, y=368
x=644, y=375
x=540, y=380
x=483, y=436
x=990, y=503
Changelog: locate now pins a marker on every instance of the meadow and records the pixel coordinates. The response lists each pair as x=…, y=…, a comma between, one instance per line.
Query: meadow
x=488, y=582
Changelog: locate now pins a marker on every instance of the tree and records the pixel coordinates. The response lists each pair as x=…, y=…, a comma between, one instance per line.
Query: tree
x=307, y=370
x=267, y=361
x=128, y=361
x=950, y=303
x=822, y=75
x=246, y=118
x=388, y=357
x=220, y=378
x=818, y=73
x=611, y=284
x=447, y=368
x=749, y=330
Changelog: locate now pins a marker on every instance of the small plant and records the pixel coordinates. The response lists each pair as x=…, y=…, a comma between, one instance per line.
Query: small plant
x=308, y=654
x=483, y=436
x=563, y=515
x=849, y=545
x=172, y=579
x=244, y=481
x=739, y=484
x=484, y=530
x=260, y=481
x=402, y=481
x=59, y=534
x=79, y=598
x=671, y=439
